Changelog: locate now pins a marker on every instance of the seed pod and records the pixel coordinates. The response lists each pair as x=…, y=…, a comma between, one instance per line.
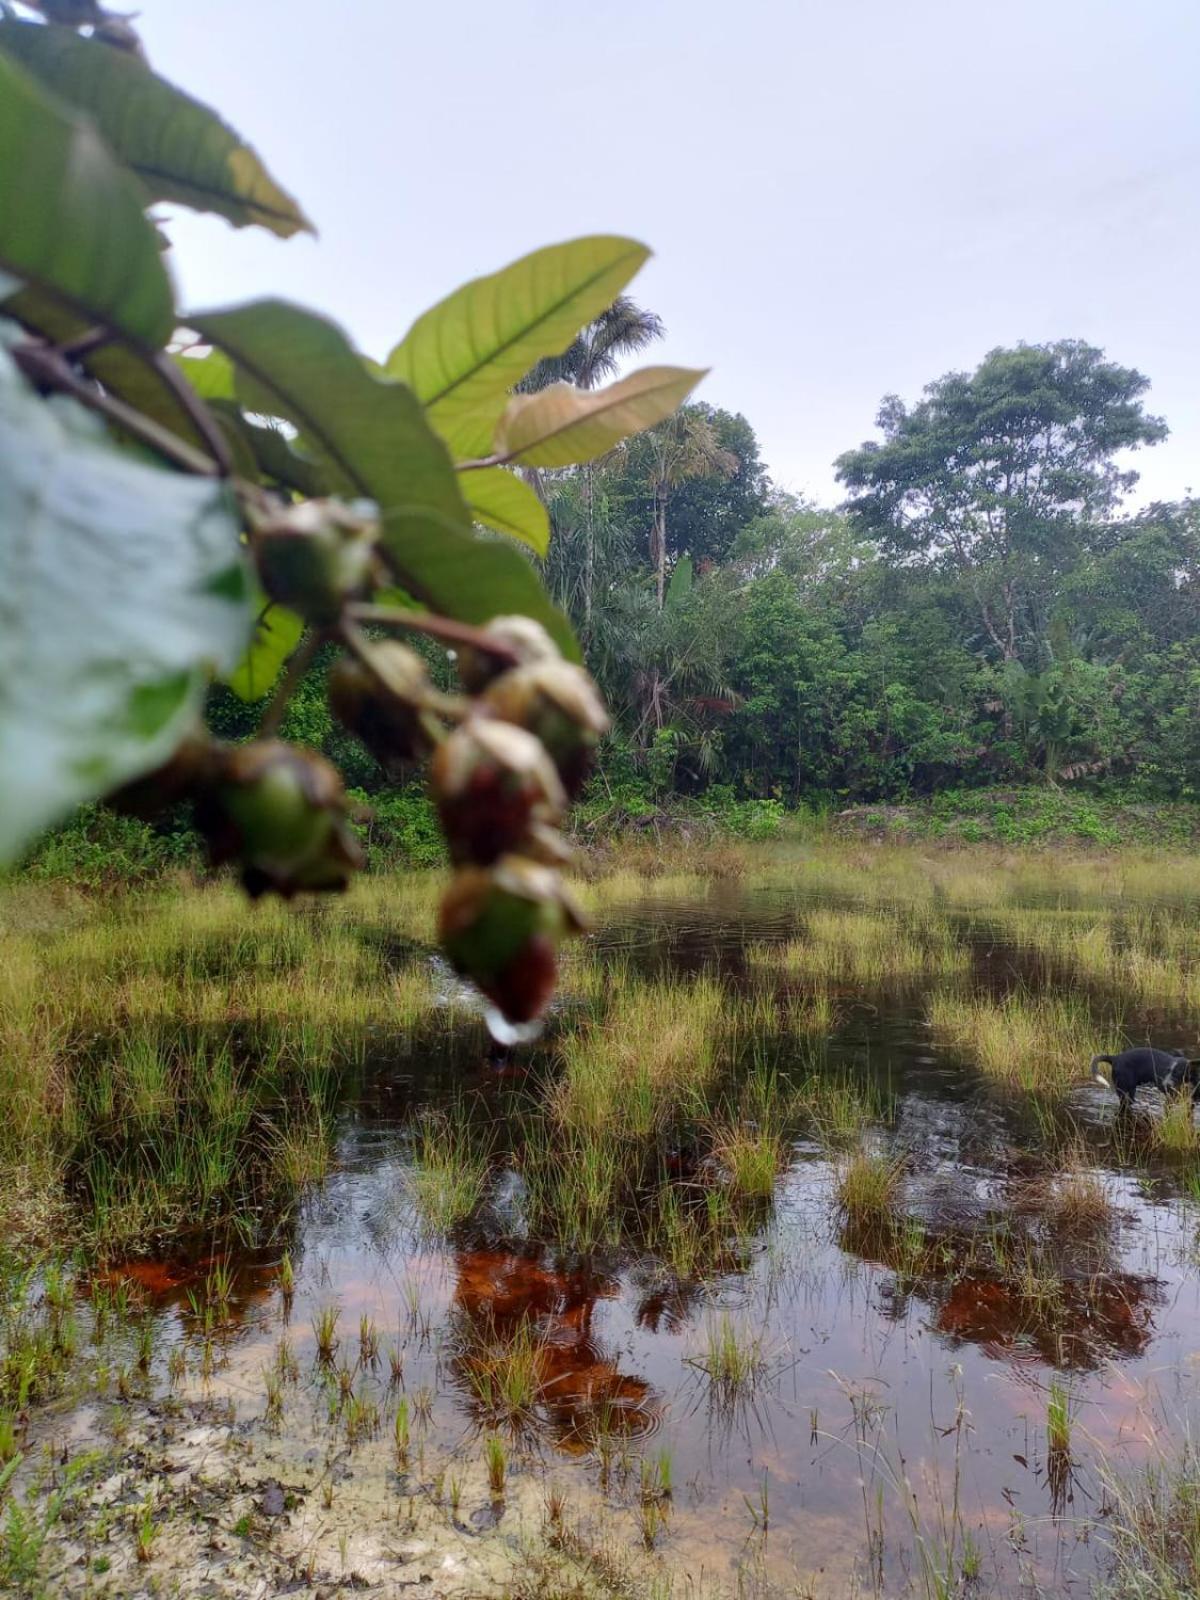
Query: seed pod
x=281, y=812
x=527, y=640
x=560, y=704
x=383, y=706
x=501, y=928
x=183, y=777
x=491, y=782
x=314, y=557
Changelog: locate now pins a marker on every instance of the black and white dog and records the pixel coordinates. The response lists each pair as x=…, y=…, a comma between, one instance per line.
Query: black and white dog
x=1132, y=1068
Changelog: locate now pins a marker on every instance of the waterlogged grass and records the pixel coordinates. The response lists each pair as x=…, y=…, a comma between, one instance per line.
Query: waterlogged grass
x=653, y=1051
x=1036, y=1042
x=177, y=1067
x=1153, y=1530
x=869, y=948
x=170, y=1062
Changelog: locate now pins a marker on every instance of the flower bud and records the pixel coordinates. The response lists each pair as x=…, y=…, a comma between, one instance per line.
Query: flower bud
x=527, y=640
x=500, y=928
x=491, y=781
x=383, y=706
x=280, y=811
x=558, y=703
x=314, y=557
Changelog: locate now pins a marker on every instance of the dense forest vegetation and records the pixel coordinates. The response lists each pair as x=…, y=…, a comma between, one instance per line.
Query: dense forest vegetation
x=980, y=610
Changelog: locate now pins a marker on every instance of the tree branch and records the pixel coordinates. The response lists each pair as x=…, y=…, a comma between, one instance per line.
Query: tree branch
x=49, y=369
x=440, y=628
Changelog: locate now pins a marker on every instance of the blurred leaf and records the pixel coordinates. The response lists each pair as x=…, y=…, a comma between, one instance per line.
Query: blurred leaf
x=562, y=425
x=505, y=502
x=124, y=586
x=179, y=149
x=123, y=369
x=71, y=218
x=276, y=634
x=463, y=357
x=373, y=440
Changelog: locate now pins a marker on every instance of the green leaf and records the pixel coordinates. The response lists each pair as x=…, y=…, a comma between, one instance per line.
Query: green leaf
x=562, y=425
x=501, y=500
x=373, y=440
x=277, y=632
x=124, y=587
x=179, y=149
x=71, y=219
x=463, y=357
x=680, y=585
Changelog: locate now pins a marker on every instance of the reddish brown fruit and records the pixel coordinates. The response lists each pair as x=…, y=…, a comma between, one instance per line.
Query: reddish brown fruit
x=559, y=704
x=491, y=782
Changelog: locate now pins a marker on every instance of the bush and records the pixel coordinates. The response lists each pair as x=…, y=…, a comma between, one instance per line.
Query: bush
x=399, y=829
x=96, y=846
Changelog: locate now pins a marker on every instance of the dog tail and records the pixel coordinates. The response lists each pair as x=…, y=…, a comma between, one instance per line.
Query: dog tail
x=1102, y=1077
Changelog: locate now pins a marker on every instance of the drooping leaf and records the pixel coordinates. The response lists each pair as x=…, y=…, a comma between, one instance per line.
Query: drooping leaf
x=179, y=149
x=562, y=425
x=501, y=500
x=464, y=355
x=124, y=586
x=372, y=439
x=71, y=221
x=277, y=632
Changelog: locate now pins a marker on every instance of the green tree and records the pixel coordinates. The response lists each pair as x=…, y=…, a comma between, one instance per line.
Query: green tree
x=1001, y=476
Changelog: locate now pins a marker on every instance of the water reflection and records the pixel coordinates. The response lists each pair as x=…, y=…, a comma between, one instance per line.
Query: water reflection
x=510, y=1309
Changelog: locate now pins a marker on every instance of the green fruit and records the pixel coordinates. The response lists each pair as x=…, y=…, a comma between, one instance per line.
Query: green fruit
x=501, y=928
x=314, y=558
x=280, y=811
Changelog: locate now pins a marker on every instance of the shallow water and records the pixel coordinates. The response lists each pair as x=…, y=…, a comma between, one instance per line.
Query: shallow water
x=903, y=1401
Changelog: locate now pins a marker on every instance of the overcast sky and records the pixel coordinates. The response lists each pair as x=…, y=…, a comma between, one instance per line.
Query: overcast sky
x=845, y=197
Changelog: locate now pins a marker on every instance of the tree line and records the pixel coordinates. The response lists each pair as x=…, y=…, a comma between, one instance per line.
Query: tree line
x=980, y=609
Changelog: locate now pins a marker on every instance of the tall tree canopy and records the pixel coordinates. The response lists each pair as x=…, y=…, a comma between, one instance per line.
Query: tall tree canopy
x=1000, y=474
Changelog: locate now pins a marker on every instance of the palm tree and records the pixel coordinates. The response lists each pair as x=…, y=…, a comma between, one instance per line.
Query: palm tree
x=685, y=446
x=595, y=354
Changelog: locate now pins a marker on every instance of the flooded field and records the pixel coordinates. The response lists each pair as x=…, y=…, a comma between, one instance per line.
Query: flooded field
x=798, y=1257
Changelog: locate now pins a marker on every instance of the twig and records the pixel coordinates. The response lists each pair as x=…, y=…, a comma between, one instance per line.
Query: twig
x=47, y=368
x=453, y=707
x=198, y=413
x=86, y=343
x=442, y=628
x=299, y=662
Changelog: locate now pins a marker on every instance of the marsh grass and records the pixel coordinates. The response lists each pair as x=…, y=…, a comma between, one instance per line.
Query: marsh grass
x=874, y=947
x=170, y=1059
x=1073, y=1200
x=452, y=1166
x=869, y=1188
x=835, y=1107
x=1037, y=1042
x=654, y=1050
x=1153, y=1529
x=504, y=1372
x=731, y=1356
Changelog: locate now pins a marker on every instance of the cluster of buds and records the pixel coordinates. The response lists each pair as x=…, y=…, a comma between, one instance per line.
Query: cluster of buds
x=277, y=810
x=501, y=782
